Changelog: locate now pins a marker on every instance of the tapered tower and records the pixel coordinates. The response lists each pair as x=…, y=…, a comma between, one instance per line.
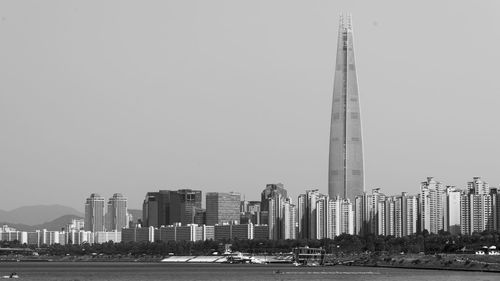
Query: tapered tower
x=346, y=172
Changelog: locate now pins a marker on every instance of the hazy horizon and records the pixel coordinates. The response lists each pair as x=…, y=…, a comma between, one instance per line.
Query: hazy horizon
x=130, y=97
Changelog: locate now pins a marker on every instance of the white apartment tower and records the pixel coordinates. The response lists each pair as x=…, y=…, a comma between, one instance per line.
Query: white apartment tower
x=433, y=201
x=452, y=210
x=476, y=207
x=409, y=218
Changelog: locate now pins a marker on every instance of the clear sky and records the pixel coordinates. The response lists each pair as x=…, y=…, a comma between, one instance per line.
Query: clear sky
x=136, y=96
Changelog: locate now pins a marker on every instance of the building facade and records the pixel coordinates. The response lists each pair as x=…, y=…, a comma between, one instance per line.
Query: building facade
x=223, y=208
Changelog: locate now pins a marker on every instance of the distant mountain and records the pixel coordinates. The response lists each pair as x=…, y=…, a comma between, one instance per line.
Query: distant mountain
x=56, y=224
x=37, y=215
x=18, y=226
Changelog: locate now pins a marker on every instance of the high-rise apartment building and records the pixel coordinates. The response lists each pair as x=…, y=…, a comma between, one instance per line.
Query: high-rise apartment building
x=346, y=172
x=223, y=208
x=307, y=214
x=391, y=219
x=339, y=218
x=301, y=217
x=320, y=216
x=400, y=215
x=452, y=210
x=94, y=213
x=495, y=207
x=116, y=217
x=289, y=221
x=370, y=213
x=432, y=205
x=476, y=207
x=410, y=214
x=275, y=204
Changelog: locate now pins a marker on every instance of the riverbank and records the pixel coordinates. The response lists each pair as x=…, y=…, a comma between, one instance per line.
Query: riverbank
x=83, y=258
x=455, y=262
x=461, y=262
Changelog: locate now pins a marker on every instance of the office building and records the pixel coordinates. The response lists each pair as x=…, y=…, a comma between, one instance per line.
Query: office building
x=222, y=208
x=167, y=207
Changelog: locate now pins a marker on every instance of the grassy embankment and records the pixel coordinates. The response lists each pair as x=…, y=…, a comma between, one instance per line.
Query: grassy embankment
x=439, y=261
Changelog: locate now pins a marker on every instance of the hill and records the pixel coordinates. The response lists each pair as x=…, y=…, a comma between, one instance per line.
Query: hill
x=37, y=215
x=56, y=224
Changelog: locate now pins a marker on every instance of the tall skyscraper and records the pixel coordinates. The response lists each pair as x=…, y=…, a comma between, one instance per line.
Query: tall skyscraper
x=94, y=213
x=116, y=218
x=346, y=172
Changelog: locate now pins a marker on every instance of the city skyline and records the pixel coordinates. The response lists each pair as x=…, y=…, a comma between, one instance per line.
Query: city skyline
x=436, y=208
x=110, y=106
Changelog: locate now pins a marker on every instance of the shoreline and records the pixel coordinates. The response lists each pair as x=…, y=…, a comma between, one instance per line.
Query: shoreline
x=433, y=268
x=450, y=262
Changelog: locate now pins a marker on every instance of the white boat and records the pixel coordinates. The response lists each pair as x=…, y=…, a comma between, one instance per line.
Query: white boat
x=11, y=276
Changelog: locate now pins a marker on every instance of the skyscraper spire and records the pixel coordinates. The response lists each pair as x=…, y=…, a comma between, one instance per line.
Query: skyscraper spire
x=345, y=23
x=346, y=172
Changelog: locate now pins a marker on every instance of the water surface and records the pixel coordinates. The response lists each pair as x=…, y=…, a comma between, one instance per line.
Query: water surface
x=158, y=271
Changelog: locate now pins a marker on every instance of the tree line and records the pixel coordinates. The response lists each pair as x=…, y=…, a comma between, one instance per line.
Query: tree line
x=443, y=242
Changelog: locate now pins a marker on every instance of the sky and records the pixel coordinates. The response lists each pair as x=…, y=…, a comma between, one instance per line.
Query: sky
x=136, y=96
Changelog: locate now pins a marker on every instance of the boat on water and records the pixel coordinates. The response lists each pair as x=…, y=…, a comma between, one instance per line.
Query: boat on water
x=13, y=275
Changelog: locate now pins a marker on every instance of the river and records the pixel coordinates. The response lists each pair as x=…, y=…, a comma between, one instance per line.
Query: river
x=79, y=271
